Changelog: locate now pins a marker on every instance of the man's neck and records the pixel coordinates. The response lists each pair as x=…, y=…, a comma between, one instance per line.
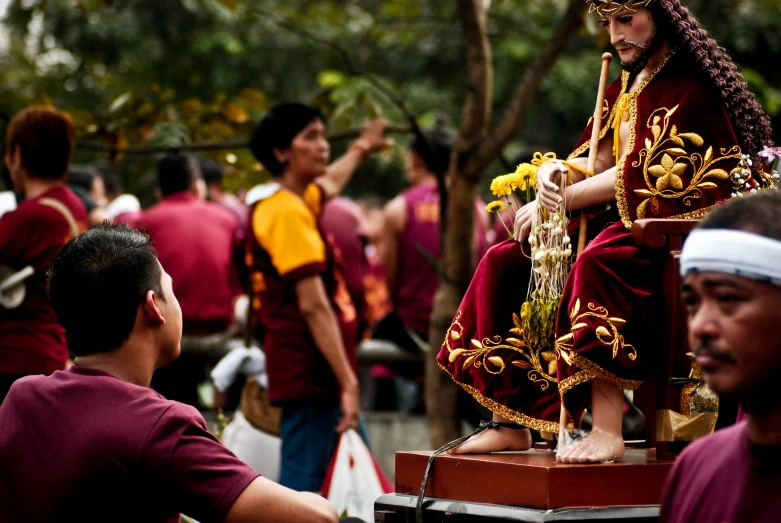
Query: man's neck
x=34, y=187
x=120, y=364
x=764, y=427
x=425, y=178
x=654, y=62
x=293, y=183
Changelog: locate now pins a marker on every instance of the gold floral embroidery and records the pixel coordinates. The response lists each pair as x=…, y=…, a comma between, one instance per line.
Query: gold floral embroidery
x=595, y=372
x=665, y=159
x=623, y=208
x=606, y=334
x=480, y=354
x=506, y=412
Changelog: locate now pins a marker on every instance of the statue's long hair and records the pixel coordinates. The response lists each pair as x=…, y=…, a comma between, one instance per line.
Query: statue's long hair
x=683, y=31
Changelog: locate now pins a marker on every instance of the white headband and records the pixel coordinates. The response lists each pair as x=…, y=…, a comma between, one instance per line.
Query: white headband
x=733, y=252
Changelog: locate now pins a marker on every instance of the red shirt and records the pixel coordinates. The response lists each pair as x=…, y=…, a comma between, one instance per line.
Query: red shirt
x=31, y=339
x=82, y=445
x=285, y=246
x=196, y=242
x=723, y=478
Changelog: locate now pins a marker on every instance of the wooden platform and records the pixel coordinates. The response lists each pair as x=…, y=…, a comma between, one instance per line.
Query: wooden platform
x=533, y=479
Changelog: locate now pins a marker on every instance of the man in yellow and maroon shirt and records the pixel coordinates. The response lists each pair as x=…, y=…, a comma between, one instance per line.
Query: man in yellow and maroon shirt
x=307, y=318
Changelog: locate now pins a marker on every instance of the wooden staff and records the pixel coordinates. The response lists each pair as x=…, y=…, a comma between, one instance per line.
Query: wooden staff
x=596, y=128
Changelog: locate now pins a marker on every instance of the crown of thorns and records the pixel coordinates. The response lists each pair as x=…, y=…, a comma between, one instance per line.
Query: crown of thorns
x=607, y=8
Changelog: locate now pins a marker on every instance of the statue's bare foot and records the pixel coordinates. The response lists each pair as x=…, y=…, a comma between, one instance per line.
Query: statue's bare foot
x=598, y=447
x=496, y=440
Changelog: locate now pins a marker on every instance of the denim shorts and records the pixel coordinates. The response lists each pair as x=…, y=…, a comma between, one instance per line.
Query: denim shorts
x=309, y=439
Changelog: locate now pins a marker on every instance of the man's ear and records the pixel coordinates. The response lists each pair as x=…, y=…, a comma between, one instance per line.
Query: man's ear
x=151, y=308
x=281, y=155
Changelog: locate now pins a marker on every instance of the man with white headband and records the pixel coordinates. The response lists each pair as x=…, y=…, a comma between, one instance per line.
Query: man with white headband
x=732, y=292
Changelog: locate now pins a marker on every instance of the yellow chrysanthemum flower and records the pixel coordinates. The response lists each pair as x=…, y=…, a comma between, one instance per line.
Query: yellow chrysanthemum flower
x=525, y=176
x=502, y=185
x=494, y=206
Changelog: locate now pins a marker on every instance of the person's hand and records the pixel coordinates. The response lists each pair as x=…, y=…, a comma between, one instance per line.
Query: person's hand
x=549, y=177
x=373, y=135
x=523, y=220
x=350, y=403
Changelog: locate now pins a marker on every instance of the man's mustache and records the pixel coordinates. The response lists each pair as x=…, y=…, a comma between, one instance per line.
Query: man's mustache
x=719, y=355
x=630, y=43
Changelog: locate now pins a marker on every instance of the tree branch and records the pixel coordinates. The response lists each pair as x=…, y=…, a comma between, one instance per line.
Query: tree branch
x=375, y=81
x=240, y=143
x=492, y=146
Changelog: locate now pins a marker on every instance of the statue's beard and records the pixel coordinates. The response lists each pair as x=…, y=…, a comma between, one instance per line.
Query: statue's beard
x=646, y=50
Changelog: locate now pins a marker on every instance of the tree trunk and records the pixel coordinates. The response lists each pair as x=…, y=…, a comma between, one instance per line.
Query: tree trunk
x=474, y=149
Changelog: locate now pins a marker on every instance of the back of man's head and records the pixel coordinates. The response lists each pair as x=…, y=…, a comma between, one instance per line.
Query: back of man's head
x=111, y=180
x=433, y=146
x=175, y=173
x=45, y=138
x=96, y=283
x=211, y=170
x=758, y=213
x=277, y=129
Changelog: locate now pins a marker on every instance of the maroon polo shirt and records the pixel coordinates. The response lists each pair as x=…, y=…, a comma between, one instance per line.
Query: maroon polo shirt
x=31, y=339
x=83, y=445
x=196, y=243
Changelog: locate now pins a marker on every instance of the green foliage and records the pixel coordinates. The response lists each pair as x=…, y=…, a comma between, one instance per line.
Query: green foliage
x=134, y=72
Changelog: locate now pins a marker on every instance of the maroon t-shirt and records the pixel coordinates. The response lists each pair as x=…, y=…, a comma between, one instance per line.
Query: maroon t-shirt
x=342, y=226
x=82, y=445
x=196, y=244
x=723, y=478
x=31, y=339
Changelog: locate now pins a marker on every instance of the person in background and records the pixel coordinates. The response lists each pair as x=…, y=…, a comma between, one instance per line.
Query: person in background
x=196, y=243
x=213, y=174
x=85, y=181
x=410, y=249
x=343, y=224
x=39, y=146
x=308, y=321
x=732, y=293
x=121, y=207
x=94, y=442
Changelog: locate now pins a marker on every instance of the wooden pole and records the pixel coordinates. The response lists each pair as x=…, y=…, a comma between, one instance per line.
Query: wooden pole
x=596, y=128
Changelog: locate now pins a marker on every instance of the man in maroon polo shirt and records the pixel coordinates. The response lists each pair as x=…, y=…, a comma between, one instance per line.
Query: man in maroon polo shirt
x=95, y=443
x=196, y=242
x=38, y=150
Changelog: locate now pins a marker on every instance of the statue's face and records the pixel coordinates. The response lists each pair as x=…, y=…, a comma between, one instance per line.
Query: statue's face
x=631, y=33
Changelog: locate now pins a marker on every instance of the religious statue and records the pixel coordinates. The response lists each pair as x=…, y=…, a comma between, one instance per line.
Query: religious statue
x=679, y=134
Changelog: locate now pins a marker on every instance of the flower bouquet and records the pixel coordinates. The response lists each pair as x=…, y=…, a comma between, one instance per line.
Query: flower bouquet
x=551, y=255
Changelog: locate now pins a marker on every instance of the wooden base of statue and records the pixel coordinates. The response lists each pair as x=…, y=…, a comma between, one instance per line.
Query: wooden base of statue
x=533, y=481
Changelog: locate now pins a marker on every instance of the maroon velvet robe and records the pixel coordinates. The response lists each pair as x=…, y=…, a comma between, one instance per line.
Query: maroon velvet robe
x=680, y=152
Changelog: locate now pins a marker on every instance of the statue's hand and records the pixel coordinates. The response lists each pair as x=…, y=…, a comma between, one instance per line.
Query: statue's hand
x=549, y=178
x=523, y=220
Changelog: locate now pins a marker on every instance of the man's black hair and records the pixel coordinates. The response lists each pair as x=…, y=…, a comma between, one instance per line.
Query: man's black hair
x=111, y=181
x=175, y=173
x=759, y=213
x=433, y=146
x=277, y=129
x=82, y=175
x=211, y=170
x=96, y=283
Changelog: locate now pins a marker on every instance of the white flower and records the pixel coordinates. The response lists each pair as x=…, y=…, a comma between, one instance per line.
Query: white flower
x=532, y=239
x=540, y=255
x=565, y=240
x=558, y=230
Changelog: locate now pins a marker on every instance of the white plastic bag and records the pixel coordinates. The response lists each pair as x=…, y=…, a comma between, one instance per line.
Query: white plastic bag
x=354, y=479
